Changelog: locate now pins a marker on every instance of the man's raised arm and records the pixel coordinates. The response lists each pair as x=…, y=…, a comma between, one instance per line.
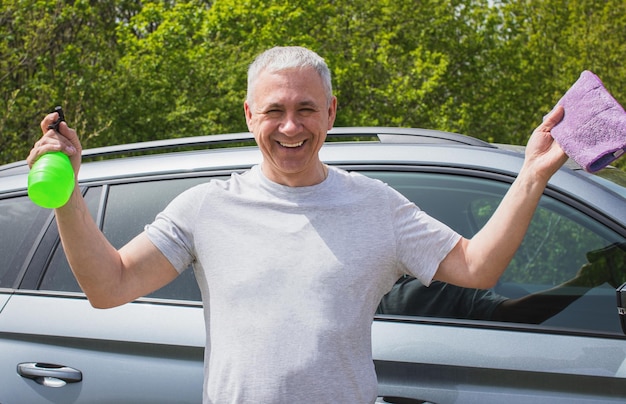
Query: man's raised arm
x=107, y=276
x=479, y=262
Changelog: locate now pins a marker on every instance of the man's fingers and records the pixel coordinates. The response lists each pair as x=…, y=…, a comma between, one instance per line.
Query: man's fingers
x=47, y=121
x=553, y=118
x=52, y=140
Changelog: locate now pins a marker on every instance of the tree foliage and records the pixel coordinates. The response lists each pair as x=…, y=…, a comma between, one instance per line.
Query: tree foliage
x=130, y=70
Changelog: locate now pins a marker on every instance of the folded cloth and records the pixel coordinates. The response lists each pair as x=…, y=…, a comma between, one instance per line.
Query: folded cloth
x=593, y=129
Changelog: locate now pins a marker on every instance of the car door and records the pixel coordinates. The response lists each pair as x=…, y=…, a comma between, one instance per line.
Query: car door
x=446, y=347
x=22, y=225
x=57, y=348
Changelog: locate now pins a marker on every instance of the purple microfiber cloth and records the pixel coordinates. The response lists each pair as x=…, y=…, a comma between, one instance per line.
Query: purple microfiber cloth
x=593, y=129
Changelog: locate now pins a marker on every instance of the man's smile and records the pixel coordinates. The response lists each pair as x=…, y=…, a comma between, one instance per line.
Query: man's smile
x=291, y=145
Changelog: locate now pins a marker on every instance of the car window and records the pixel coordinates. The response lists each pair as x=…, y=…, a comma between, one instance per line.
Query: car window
x=130, y=207
x=58, y=275
x=563, y=275
x=21, y=222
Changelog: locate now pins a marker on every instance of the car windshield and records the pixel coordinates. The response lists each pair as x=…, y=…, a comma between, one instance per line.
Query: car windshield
x=612, y=178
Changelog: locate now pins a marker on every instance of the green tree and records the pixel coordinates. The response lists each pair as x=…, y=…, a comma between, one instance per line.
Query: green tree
x=541, y=49
x=159, y=87
x=131, y=70
x=50, y=56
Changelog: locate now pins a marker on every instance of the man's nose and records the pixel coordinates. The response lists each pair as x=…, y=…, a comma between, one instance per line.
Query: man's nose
x=290, y=124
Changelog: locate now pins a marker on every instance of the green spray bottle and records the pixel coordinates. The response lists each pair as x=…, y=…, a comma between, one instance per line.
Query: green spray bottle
x=51, y=178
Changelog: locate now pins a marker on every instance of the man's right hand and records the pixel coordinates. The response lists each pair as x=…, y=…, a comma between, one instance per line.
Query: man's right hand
x=65, y=141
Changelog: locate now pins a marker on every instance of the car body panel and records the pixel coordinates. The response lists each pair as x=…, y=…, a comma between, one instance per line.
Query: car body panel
x=59, y=316
x=439, y=363
x=513, y=348
x=4, y=298
x=149, y=344
x=444, y=364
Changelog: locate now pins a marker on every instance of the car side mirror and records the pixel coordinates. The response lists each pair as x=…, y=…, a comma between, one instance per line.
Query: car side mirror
x=621, y=305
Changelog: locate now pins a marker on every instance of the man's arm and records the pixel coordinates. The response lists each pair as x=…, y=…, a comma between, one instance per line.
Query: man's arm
x=479, y=262
x=107, y=276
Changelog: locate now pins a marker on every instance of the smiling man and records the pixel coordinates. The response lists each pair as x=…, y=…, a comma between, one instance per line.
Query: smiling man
x=293, y=256
x=289, y=109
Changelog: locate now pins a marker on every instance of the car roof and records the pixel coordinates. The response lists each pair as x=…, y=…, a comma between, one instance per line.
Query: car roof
x=349, y=147
x=238, y=140
x=382, y=134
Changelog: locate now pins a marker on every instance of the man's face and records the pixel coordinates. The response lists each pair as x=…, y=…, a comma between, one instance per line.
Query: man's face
x=289, y=116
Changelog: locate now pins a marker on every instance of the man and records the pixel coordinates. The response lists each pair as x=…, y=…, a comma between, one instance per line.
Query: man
x=293, y=257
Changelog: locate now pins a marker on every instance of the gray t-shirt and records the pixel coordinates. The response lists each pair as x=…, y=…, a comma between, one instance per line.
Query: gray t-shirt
x=291, y=278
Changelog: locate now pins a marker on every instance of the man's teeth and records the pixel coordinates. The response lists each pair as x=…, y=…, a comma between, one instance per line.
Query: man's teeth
x=291, y=144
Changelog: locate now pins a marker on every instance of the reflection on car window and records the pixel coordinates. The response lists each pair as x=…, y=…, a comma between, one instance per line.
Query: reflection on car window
x=21, y=222
x=563, y=275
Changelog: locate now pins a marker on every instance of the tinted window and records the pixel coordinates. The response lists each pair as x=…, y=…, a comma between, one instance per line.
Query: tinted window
x=58, y=275
x=129, y=207
x=21, y=222
x=563, y=275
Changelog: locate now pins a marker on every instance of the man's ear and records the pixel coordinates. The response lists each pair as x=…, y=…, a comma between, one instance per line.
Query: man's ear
x=248, y=113
x=332, y=112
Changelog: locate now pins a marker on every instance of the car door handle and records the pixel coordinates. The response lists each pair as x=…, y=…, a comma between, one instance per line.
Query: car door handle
x=49, y=375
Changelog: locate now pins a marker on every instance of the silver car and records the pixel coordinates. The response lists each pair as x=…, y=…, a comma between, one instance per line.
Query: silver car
x=442, y=344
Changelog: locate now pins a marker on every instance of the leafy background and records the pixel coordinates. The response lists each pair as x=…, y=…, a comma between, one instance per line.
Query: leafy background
x=128, y=70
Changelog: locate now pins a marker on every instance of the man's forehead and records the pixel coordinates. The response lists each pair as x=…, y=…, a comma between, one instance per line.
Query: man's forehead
x=288, y=87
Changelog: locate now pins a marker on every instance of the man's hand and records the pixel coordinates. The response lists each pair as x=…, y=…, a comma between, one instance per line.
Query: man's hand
x=65, y=140
x=544, y=156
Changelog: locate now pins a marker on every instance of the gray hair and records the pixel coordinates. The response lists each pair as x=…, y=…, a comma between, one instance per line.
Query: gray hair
x=289, y=57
